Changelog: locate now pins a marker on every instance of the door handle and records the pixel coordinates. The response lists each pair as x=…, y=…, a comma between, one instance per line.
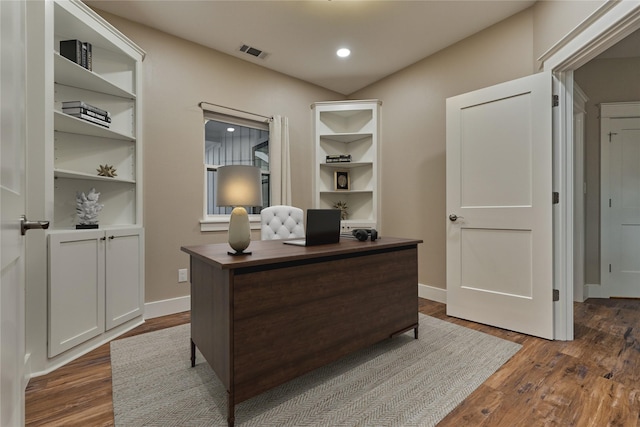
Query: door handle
x=454, y=217
x=25, y=225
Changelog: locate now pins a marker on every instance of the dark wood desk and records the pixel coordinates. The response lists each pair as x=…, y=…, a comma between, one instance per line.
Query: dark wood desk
x=263, y=319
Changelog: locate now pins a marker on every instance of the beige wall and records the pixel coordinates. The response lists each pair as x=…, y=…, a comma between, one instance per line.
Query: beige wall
x=602, y=80
x=179, y=74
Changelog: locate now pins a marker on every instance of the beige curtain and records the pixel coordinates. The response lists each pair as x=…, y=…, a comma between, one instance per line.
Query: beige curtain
x=279, y=159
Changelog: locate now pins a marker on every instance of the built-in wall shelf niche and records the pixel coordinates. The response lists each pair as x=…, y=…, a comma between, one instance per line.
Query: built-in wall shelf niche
x=346, y=160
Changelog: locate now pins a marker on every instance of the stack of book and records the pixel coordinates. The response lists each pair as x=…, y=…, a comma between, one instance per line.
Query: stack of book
x=338, y=158
x=78, y=52
x=82, y=110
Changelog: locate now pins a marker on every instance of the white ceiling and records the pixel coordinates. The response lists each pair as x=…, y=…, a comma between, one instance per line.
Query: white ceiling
x=301, y=37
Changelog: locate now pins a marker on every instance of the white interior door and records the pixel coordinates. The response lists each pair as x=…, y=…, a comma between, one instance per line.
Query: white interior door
x=12, y=205
x=499, y=197
x=620, y=207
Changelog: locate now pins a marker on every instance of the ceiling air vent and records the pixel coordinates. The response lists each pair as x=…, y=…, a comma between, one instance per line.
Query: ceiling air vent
x=253, y=51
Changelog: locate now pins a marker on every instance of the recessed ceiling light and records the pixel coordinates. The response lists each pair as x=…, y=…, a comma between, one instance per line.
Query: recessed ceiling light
x=343, y=53
x=231, y=129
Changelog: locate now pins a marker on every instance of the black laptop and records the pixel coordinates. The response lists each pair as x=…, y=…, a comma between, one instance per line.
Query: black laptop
x=322, y=227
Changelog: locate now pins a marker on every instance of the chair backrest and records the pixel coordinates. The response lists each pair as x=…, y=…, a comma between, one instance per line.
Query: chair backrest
x=281, y=222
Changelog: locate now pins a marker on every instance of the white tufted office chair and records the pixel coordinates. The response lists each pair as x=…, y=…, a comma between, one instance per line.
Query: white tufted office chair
x=281, y=222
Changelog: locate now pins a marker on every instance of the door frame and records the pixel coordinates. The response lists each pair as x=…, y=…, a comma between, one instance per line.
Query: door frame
x=612, y=22
x=579, y=114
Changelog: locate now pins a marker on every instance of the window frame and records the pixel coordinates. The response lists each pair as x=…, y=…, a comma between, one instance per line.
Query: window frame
x=220, y=222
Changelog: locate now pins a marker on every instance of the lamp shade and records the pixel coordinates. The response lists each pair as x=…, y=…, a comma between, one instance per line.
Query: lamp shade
x=239, y=185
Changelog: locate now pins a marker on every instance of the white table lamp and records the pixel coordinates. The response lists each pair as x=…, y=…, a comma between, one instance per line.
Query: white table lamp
x=239, y=186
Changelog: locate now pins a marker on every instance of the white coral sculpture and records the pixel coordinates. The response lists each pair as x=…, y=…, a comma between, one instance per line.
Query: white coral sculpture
x=87, y=207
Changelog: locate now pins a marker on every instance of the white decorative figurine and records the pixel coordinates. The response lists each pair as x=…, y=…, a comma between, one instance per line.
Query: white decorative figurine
x=87, y=208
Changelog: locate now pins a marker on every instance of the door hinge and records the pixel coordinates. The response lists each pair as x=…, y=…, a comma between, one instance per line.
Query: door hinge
x=556, y=198
x=555, y=101
x=611, y=134
x=609, y=202
x=556, y=294
x=609, y=268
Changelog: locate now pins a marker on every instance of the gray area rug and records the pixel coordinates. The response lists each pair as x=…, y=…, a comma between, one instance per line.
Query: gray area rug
x=399, y=382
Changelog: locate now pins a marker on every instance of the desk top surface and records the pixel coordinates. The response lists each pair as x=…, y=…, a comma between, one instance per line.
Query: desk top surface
x=266, y=252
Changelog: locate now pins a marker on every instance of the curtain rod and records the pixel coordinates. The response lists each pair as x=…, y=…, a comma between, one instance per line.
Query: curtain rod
x=233, y=109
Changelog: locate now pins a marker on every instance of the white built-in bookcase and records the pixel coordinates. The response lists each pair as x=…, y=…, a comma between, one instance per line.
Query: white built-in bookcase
x=95, y=277
x=348, y=128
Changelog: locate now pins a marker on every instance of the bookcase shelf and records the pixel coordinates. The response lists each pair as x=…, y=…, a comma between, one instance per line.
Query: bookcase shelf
x=348, y=128
x=71, y=74
x=61, y=173
x=346, y=137
x=69, y=124
x=346, y=165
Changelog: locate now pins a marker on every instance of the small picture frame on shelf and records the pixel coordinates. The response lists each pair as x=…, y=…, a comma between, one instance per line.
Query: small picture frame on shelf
x=342, y=180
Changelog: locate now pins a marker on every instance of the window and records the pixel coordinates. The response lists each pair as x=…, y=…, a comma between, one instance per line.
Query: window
x=234, y=141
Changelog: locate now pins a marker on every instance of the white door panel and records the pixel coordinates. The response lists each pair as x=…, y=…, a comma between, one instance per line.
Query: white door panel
x=481, y=173
x=12, y=206
x=621, y=206
x=499, y=174
x=486, y=270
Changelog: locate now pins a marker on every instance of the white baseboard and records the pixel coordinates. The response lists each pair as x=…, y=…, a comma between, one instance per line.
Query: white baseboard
x=595, y=291
x=432, y=293
x=166, y=307
x=26, y=371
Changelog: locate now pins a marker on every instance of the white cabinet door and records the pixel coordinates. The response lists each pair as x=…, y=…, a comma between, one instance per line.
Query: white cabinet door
x=124, y=275
x=95, y=283
x=499, y=174
x=76, y=288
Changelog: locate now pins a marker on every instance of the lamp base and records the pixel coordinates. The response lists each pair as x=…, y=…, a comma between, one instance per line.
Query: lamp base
x=239, y=231
x=238, y=253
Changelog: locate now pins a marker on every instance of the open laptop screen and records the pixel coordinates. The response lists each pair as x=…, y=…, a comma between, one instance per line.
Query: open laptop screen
x=322, y=226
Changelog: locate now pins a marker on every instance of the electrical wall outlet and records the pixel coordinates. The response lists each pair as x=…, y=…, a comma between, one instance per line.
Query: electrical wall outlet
x=182, y=275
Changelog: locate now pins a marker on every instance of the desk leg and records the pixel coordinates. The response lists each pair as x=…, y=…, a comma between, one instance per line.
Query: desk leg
x=231, y=418
x=415, y=332
x=193, y=354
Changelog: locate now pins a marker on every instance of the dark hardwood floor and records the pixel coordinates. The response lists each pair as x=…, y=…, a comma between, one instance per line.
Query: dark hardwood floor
x=591, y=381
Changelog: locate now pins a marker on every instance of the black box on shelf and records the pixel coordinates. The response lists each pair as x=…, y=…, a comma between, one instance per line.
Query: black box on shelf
x=72, y=50
x=78, y=51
